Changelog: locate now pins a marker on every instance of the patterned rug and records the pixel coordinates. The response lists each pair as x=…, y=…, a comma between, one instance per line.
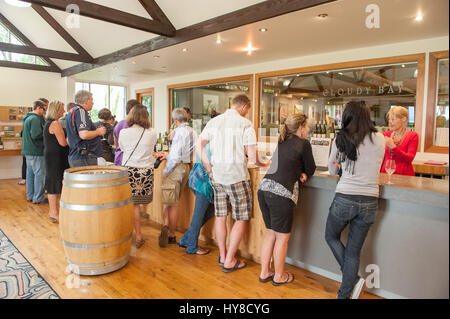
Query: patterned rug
x=18, y=279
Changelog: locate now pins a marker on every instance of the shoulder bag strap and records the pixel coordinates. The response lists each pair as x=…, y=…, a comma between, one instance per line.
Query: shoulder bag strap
x=134, y=147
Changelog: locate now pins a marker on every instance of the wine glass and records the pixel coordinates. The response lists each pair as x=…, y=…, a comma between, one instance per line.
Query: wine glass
x=390, y=169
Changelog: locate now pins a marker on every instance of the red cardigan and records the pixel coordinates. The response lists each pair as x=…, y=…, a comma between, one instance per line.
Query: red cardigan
x=403, y=154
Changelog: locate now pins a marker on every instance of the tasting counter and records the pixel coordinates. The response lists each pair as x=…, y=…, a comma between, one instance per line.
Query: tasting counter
x=408, y=243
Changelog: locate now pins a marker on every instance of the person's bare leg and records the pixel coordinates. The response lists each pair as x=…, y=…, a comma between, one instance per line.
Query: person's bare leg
x=53, y=205
x=220, y=226
x=236, y=234
x=173, y=220
x=266, y=253
x=279, y=256
x=165, y=215
x=137, y=222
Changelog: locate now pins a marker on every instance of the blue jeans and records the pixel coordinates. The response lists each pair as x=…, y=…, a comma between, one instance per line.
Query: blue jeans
x=203, y=211
x=360, y=215
x=35, y=178
x=85, y=161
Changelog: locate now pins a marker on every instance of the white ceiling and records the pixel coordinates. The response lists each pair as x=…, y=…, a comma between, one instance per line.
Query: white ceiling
x=296, y=34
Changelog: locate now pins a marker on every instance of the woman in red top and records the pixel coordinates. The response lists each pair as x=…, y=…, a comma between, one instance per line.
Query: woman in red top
x=401, y=144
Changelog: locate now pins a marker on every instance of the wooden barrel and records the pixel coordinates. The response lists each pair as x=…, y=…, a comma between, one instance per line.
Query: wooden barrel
x=96, y=218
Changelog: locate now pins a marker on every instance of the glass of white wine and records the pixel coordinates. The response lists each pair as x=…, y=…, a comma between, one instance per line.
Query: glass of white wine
x=390, y=169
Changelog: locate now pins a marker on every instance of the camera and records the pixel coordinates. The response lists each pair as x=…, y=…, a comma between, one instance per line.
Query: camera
x=83, y=150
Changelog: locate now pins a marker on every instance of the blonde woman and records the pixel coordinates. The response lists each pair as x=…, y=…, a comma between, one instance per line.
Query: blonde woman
x=56, y=154
x=292, y=162
x=401, y=144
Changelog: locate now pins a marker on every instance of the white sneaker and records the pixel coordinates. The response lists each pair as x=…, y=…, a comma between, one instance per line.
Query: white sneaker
x=358, y=289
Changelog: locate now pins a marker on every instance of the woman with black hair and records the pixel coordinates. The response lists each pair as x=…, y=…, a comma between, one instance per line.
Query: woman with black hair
x=358, y=151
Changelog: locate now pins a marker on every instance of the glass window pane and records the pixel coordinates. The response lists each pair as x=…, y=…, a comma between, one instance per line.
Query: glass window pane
x=100, y=96
x=118, y=101
x=147, y=101
x=81, y=86
x=4, y=34
x=203, y=100
x=323, y=95
x=22, y=58
x=441, y=134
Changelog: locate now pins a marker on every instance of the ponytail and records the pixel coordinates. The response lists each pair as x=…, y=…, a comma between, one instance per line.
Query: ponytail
x=283, y=133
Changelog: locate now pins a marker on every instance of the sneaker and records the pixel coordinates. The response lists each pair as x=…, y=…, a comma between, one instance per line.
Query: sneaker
x=22, y=182
x=358, y=289
x=164, y=237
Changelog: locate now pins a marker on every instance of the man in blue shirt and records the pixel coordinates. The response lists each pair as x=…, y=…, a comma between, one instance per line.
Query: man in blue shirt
x=84, y=137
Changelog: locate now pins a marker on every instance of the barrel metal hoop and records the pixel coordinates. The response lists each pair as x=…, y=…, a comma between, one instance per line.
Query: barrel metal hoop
x=88, y=208
x=122, y=261
x=95, y=177
x=74, y=185
x=96, y=246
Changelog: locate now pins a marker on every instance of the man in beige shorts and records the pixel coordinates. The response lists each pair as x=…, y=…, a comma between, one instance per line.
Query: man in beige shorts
x=176, y=174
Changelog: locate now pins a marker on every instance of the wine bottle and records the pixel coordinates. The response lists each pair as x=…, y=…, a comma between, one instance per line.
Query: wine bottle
x=326, y=133
x=165, y=146
x=159, y=144
x=317, y=130
x=332, y=131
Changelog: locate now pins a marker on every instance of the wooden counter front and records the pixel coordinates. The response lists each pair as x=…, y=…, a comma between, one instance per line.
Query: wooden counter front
x=10, y=152
x=251, y=243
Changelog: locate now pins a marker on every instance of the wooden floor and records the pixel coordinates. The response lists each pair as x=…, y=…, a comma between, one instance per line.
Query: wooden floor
x=152, y=272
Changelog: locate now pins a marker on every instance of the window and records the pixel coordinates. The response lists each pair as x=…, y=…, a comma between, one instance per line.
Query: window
x=437, y=117
x=112, y=97
x=208, y=97
x=8, y=37
x=323, y=95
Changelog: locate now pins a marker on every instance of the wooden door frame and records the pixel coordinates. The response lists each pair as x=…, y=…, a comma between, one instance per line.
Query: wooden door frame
x=431, y=103
x=419, y=58
x=147, y=92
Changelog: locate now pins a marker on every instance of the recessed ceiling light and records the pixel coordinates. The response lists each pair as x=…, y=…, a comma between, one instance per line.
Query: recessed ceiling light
x=323, y=15
x=403, y=65
x=249, y=49
x=419, y=17
x=219, y=41
x=115, y=68
x=340, y=73
x=263, y=30
x=185, y=50
x=17, y=3
x=156, y=56
x=133, y=62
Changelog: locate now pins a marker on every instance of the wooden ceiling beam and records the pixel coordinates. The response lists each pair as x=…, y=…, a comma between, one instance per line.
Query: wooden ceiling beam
x=61, y=31
x=26, y=41
x=29, y=66
x=261, y=11
x=99, y=12
x=155, y=12
x=23, y=49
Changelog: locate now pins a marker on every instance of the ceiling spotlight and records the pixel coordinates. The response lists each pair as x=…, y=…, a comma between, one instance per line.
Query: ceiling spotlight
x=133, y=62
x=115, y=68
x=219, y=41
x=419, y=17
x=263, y=30
x=249, y=49
x=156, y=56
x=18, y=3
x=340, y=73
x=185, y=50
x=323, y=15
x=403, y=65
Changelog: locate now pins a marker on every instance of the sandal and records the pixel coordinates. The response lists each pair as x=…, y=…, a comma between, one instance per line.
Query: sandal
x=235, y=267
x=270, y=278
x=139, y=243
x=284, y=282
x=205, y=252
x=53, y=220
x=219, y=263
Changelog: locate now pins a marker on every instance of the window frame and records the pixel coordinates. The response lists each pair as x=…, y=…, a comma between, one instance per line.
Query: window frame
x=433, y=59
x=419, y=58
x=109, y=91
x=248, y=77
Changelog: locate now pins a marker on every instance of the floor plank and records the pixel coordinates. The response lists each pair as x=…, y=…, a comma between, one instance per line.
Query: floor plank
x=152, y=272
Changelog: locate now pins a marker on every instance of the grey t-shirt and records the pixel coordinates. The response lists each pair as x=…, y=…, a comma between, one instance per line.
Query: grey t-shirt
x=364, y=181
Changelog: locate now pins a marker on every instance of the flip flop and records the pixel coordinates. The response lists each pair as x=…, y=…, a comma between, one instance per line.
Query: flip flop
x=219, y=263
x=53, y=220
x=204, y=253
x=267, y=279
x=236, y=267
x=284, y=282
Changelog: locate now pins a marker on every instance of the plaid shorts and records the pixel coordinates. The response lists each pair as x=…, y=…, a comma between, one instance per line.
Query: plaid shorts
x=238, y=195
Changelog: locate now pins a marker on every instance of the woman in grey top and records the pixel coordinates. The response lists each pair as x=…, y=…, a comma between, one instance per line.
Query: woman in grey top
x=358, y=151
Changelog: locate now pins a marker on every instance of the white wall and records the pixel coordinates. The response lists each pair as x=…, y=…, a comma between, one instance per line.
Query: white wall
x=396, y=49
x=20, y=88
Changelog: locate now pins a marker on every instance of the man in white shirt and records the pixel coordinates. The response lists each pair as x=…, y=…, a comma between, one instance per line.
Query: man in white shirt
x=176, y=174
x=231, y=136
